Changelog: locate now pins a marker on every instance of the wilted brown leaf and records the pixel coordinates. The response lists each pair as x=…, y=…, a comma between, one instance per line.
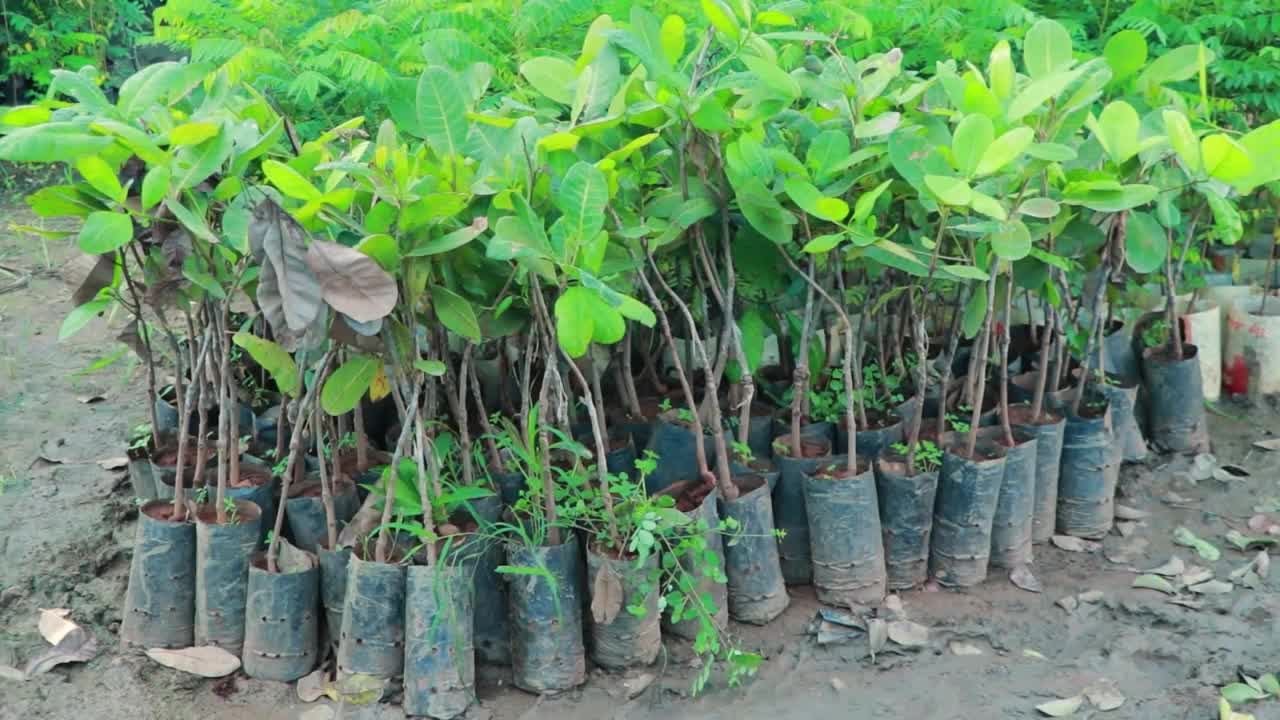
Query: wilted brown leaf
x=606, y=595
x=352, y=282
x=207, y=661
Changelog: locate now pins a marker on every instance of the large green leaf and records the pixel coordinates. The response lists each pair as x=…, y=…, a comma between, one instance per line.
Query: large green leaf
x=721, y=18
x=1126, y=53
x=975, y=312
x=764, y=212
x=971, y=139
x=158, y=83
x=551, y=77
x=777, y=80
x=51, y=142
x=1000, y=70
x=442, y=111
x=1146, y=243
x=99, y=174
x=1036, y=93
x=1046, y=48
x=988, y=206
x=455, y=313
x=346, y=385
x=575, y=321
x=1227, y=224
x=290, y=181
x=274, y=359
x=451, y=241
x=809, y=199
x=1116, y=129
x=1111, y=200
x=1013, y=242
x=78, y=318
x=1225, y=159
x=1183, y=139
x=105, y=232
x=142, y=144
x=582, y=198
x=194, y=164
x=950, y=190
x=1005, y=149
x=1263, y=146
x=1181, y=63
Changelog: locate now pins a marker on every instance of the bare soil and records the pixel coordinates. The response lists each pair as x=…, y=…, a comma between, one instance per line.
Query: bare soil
x=67, y=529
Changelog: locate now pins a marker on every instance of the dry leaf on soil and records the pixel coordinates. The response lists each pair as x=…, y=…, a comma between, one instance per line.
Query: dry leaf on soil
x=1213, y=587
x=1061, y=708
x=114, y=463
x=54, y=625
x=964, y=648
x=908, y=634
x=77, y=647
x=1189, y=604
x=311, y=687
x=1023, y=578
x=1090, y=596
x=1033, y=654
x=1205, y=549
x=1227, y=473
x=1074, y=544
x=606, y=595
x=1104, y=695
x=1271, y=444
x=1195, y=575
x=356, y=689
x=1124, y=512
x=207, y=661
x=1154, y=582
x=1173, y=568
x=1068, y=603
x=1264, y=524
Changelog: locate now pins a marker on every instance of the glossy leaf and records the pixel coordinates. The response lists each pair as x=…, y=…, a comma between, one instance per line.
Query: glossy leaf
x=346, y=385
x=812, y=201
x=105, y=232
x=988, y=206
x=99, y=174
x=192, y=133
x=1000, y=70
x=582, y=198
x=51, y=142
x=451, y=241
x=1225, y=159
x=1044, y=208
x=1181, y=63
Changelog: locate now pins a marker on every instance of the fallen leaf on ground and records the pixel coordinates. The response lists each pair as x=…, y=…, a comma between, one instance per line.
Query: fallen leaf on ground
x=1226, y=713
x=1104, y=695
x=893, y=604
x=1091, y=596
x=1237, y=693
x=1023, y=578
x=1213, y=587
x=1154, y=582
x=54, y=625
x=1033, y=654
x=356, y=689
x=1247, y=542
x=1126, y=527
x=1068, y=603
x=114, y=463
x=1124, y=512
x=1271, y=444
x=1195, y=575
x=964, y=648
x=77, y=647
x=1205, y=549
x=207, y=661
x=1264, y=524
x=1061, y=708
x=1074, y=544
x=632, y=687
x=1260, y=565
x=877, y=634
x=1173, y=568
x=908, y=634
x=1173, y=498
x=311, y=687
x=1202, y=466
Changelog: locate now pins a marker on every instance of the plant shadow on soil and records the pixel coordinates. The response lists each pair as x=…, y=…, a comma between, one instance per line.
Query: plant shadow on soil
x=66, y=529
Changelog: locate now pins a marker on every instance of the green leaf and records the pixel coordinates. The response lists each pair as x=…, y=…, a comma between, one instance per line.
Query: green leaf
x=1112, y=200
x=160, y=82
x=442, y=110
x=452, y=241
x=61, y=200
x=1044, y=208
x=78, y=318
x=274, y=359
x=383, y=249
x=1226, y=219
x=1146, y=242
x=1117, y=130
x=1183, y=139
x=455, y=313
x=950, y=190
x=192, y=270
x=105, y=232
x=672, y=38
x=51, y=142
x=434, y=368
x=754, y=331
x=975, y=312
x=582, y=198
x=812, y=201
x=289, y=181
x=773, y=77
x=1005, y=149
x=346, y=385
x=1049, y=258
x=1263, y=146
x=575, y=323
x=552, y=77
x=972, y=138
x=966, y=272
x=1000, y=70
x=192, y=133
x=823, y=243
x=633, y=309
x=1034, y=94
x=191, y=221
x=1126, y=53
x=1240, y=693
x=1270, y=684
x=1224, y=158
x=1052, y=152
x=722, y=19
x=196, y=163
x=26, y=116
x=99, y=174
x=988, y=206
x=1046, y=48
x=764, y=212
x=1013, y=242
x=1181, y=63
x=867, y=202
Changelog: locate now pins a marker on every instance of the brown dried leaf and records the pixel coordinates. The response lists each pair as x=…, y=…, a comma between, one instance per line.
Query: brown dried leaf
x=1173, y=568
x=207, y=661
x=54, y=625
x=86, y=275
x=114, y=463
x=1074, y=544
x=288, y=291
x=76, y=646
x=1272, y=444
x=1124, y=512
x=1212, y=587
x=877, y=634
x=1061, y=708
x=606, y=595
x=351, y=282
x=1023, y=578
x=1154, y=582
x=908, y=634
x=311, y=687
x=1104, y=695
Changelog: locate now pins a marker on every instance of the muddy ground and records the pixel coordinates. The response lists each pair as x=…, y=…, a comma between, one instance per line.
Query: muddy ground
x=67, y=525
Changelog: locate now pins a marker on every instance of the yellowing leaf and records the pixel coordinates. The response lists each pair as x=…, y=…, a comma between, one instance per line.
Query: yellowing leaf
x=192, y=133
x=380, y=387
x=559, y=141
